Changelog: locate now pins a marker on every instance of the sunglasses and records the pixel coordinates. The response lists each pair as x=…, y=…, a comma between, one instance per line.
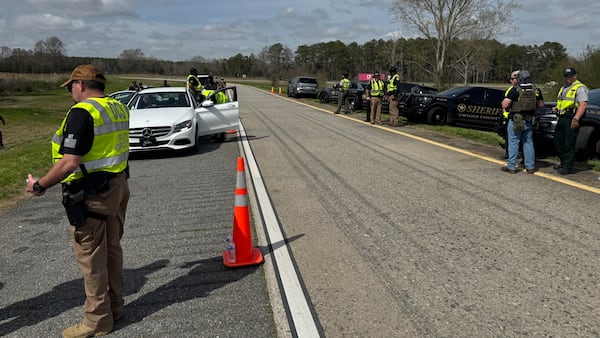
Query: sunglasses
x=69, y=87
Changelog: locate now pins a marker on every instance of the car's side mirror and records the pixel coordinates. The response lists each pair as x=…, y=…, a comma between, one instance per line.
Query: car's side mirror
x=207, y=103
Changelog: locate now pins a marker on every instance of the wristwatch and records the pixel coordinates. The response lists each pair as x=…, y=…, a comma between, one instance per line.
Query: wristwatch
x=575, y=119
x=37, y=187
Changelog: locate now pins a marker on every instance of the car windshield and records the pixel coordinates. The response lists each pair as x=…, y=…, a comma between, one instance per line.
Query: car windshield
x=123, y=97
x=159, y=100
x=308, y=80
x=456, y=91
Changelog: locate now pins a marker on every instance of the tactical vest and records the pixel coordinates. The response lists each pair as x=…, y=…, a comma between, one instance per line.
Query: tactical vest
x=345, y=84
x=198, y=87
x=526, y=101
x=376, y=88
x=110, y=149
x=567, y=103
x=391, y=88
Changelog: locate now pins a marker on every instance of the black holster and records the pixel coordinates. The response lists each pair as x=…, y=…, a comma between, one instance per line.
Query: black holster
x=74, y=206
x=75, y=192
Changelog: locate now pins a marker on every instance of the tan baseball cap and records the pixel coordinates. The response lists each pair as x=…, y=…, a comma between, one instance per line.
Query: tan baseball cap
x=85, y=73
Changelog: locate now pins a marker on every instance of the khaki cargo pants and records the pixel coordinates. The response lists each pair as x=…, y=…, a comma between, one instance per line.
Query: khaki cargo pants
x=98, y=252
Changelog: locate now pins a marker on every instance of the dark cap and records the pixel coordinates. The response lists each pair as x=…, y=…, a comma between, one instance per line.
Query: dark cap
x=85, y=73
x=570, y=72
x=393, y=69
x=376, y=74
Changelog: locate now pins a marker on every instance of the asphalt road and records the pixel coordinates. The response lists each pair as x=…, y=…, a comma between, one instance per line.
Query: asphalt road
x=391, y=236
x=180, y=212
x=397, y=237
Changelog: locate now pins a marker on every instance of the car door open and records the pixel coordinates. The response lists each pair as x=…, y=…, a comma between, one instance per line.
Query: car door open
x=219, y=112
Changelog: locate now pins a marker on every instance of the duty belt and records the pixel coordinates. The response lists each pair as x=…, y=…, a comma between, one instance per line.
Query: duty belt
x=567, y=113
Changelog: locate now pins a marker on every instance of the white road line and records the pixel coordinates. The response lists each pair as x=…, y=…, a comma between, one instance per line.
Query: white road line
x=297, y=304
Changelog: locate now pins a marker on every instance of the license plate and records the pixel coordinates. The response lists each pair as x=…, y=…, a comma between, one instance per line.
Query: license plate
x=148, y=142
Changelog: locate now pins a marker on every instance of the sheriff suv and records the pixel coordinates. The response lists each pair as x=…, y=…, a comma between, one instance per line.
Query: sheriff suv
x=406, y=91
x=470, y=106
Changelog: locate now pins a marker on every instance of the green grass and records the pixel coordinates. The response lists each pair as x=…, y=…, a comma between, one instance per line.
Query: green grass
x=31, y=120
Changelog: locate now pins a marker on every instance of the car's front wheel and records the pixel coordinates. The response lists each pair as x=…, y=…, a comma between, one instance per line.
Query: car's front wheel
x=587, y=143
x=353, y=102
x=324, y=98
x=436, y=116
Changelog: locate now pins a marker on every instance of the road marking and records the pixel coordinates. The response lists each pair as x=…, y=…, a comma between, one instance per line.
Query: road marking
x=298, y=309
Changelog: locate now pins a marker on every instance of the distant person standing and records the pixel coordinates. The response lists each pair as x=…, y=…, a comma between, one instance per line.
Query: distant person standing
x=133, y=85
x=392, y=95
x=3, y=123
x=571, y=104
x=344, y=89
x=374, y=93
x=503, y=121
x=521, y=102
x=165, y=83
x=194, y=84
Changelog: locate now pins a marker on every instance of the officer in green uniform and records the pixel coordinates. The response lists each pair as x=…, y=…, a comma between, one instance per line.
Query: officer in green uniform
x=571, y=104
x=90, y=152
x=344, y=88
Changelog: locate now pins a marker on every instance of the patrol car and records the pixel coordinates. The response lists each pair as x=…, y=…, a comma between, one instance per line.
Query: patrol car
x=588, y=140
x=356, y=92
x=471, y=106
x=406, y=91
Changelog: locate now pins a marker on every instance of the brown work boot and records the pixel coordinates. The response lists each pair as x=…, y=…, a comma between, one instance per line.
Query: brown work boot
x=80, y=330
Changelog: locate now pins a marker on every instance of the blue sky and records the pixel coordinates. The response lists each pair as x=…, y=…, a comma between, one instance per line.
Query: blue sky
x=181, y=29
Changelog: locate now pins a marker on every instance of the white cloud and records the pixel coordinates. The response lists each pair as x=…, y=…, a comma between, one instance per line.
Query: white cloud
x=178, y=30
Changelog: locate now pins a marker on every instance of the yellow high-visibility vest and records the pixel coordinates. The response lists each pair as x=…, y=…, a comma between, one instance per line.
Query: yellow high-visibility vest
x=198, y=87
x=376, y=88
x=110, y=149
x=567, y=102
x=391, y=87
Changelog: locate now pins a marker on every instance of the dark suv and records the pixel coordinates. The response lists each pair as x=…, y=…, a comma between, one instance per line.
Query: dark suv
x=303, y=86
x=469, y=106
x=331, y=94
x=406, y=90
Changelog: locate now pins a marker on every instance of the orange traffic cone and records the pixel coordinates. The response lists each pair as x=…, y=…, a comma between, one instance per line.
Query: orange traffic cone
x=272, y=90
x=279, y=90
x=241, y=253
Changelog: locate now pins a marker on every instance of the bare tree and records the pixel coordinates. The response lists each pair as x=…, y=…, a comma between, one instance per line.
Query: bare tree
x=443, y=21
x=278, y=58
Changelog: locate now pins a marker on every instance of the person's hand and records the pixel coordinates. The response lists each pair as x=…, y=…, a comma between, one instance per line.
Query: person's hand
x=574, y=124
x=554, y=110
x=30, y=182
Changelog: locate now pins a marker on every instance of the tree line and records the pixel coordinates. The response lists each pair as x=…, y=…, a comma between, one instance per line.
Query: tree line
x=468, y=61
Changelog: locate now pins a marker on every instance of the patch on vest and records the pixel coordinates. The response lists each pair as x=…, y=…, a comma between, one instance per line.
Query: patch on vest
x=70, y=142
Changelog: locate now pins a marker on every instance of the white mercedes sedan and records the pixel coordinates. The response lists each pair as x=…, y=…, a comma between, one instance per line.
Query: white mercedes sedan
x=170, y=118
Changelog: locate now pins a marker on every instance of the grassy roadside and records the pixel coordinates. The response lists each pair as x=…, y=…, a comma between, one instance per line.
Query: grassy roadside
x=31, y=120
